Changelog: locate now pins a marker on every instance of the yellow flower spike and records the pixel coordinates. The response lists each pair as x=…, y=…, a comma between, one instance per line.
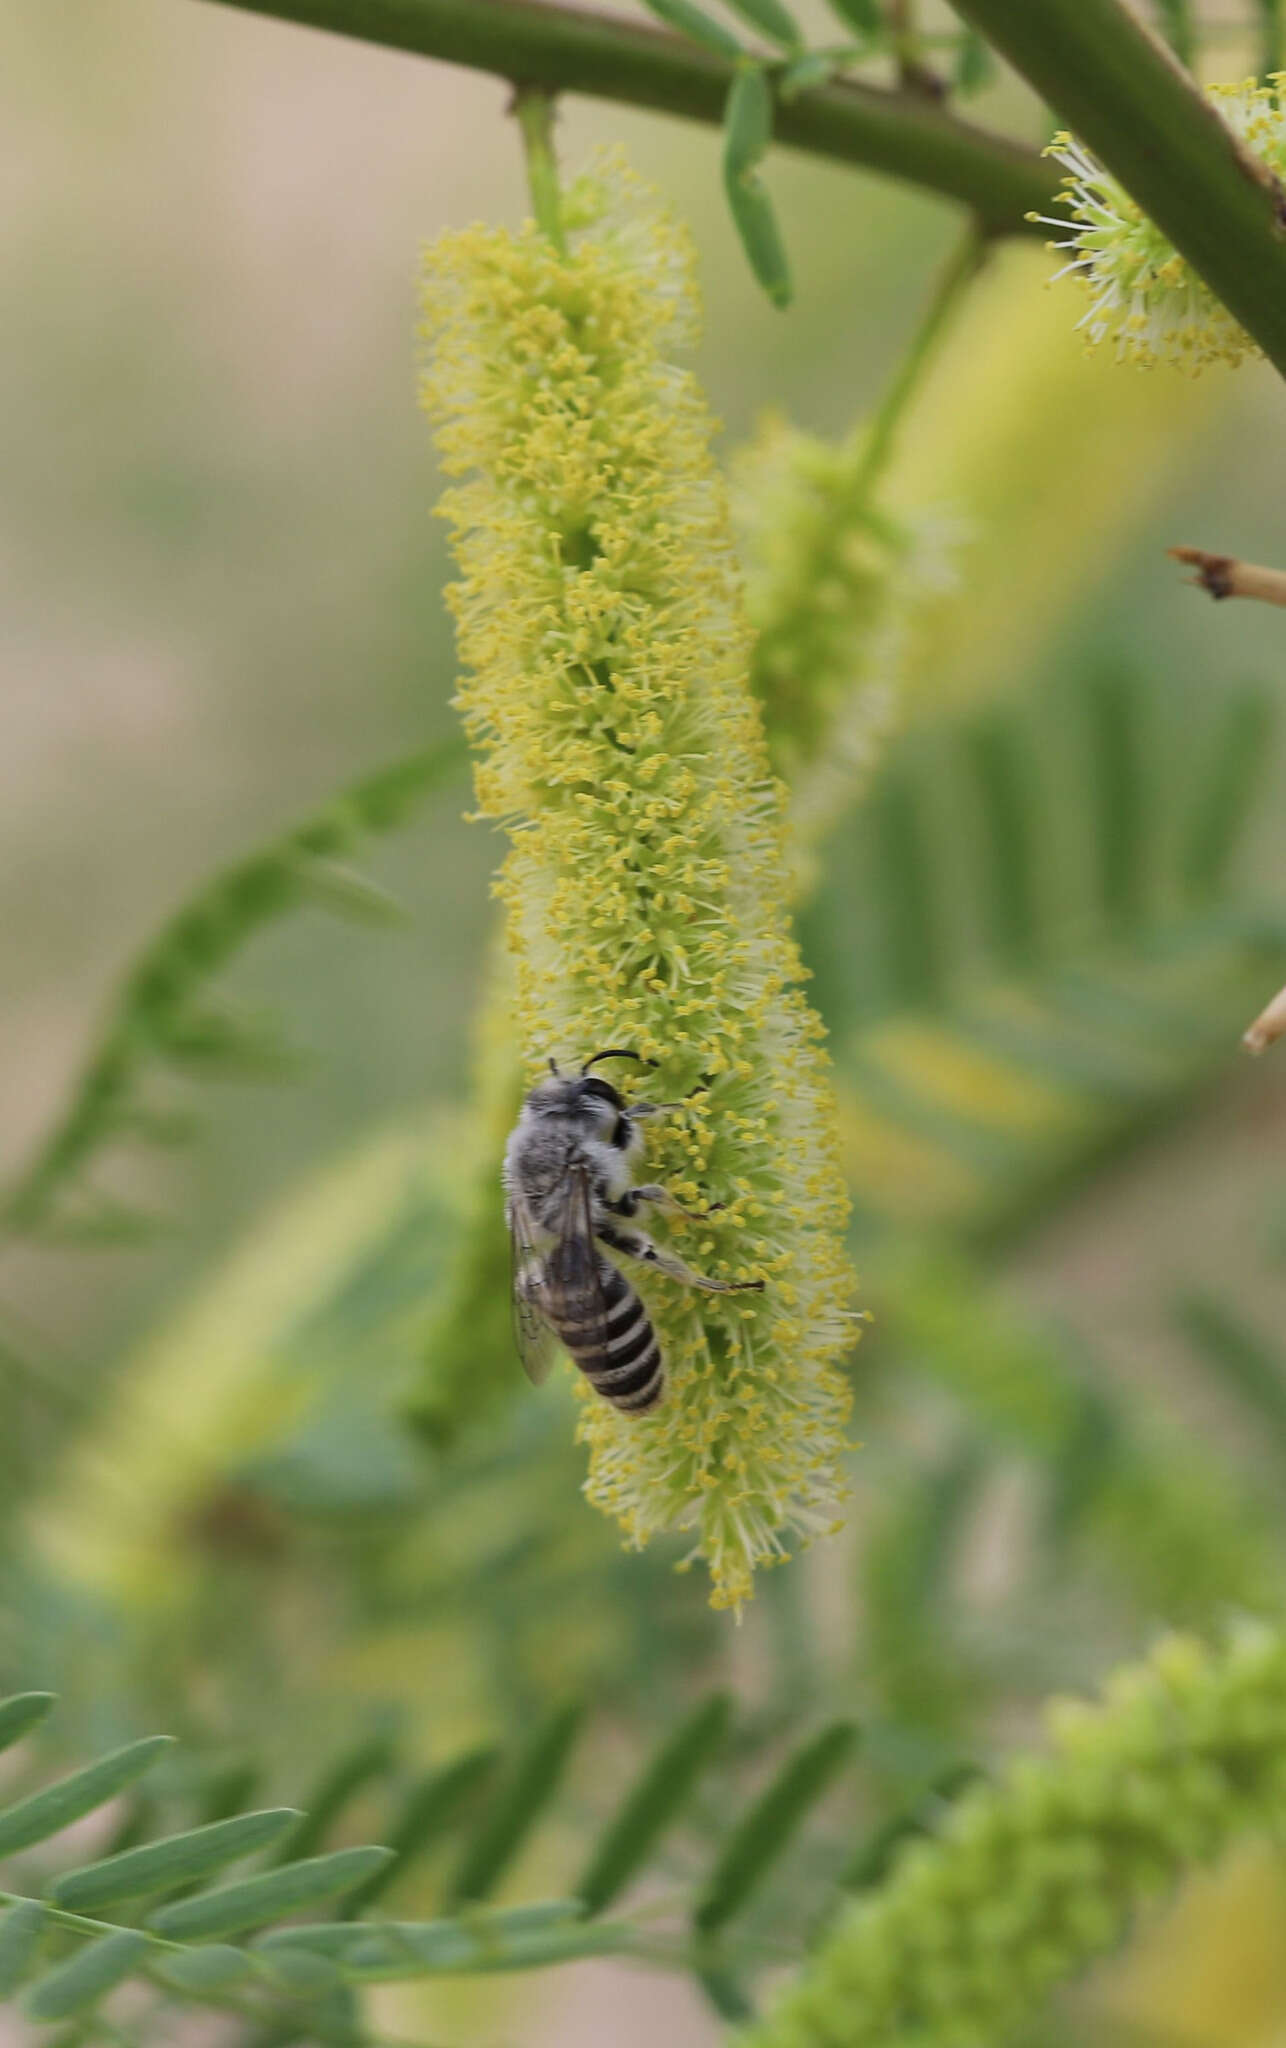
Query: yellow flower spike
x=1144, y=295
x=606, y=661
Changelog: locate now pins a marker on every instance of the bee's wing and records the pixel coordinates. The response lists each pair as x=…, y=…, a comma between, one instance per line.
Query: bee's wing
x=574, y=1268
x=534, y=1335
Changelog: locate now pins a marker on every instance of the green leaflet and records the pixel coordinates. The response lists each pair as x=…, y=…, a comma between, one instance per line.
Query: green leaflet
x=44, y=1813
x=23, y=1712
x=300, y=1973
x=747, y=132
x=256, y=1900
x=1244, y=1362
x=83, y=1979
x=657, y=1797
x=1231, y=768
x=202, y=1972
x=22, y=1929
x=322, y=1806
x=817, y=67
x=863, y=15
x=179, y=1859
x=517, y=1806
x=430, y=1808
x=761, y=1835
x=1180, y=27
x=693, y=22
x=772, y=18
x=975, y=66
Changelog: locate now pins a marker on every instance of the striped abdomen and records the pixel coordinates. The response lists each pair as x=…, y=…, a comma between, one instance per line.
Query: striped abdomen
x=610, y=1338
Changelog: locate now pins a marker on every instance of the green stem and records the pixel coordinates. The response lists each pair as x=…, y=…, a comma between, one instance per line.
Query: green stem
x=535, y=113
x=1122, y=92
x=573, y=49
x=962, y=266
x=80, y=1923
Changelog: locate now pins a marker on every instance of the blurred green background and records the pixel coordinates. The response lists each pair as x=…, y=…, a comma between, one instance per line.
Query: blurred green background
x=222, y=602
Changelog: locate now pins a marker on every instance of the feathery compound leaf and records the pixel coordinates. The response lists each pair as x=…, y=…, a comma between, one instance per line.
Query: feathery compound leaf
x=22, y=1930
x=656, y=1798
x=179, y=1859
x=85, y=1978
x=21, y=1713
x=517, y=1806
x=762, y=1834
x=158, y=1017
x=747, y=132
x=692, y=22
x=256, y=1900
x=772, y=18
x=431, y=1807
x=44, y=1813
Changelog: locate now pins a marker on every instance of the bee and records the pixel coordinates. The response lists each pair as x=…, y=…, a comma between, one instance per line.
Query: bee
x=570, y=1199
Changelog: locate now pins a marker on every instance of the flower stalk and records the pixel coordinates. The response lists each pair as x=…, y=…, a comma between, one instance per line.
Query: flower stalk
x=534, y=111
x=606, y=658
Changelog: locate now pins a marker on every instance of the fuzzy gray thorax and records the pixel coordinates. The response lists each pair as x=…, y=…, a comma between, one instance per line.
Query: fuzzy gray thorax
x=566, y=1123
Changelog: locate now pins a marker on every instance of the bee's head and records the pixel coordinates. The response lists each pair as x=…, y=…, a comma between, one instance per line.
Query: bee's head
x=592, y=1101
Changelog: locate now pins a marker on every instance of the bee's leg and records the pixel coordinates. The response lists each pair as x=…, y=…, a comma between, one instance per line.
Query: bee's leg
x=646, y=1109
x=627, y=1204
x=636, y=1244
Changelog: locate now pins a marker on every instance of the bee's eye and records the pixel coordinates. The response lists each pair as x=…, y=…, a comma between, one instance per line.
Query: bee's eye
x=601, y=1091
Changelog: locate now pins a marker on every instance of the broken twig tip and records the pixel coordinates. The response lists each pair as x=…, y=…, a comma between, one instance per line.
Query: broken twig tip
x=1268, y=1027
x=1224, y=576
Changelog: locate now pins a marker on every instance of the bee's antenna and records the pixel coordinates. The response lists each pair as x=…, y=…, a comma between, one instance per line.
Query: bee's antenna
x=616, y=1052
x=553, y=1065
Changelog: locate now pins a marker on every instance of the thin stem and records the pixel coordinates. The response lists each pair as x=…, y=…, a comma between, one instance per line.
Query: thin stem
x=908, y=47
x=574, y=49
x=1123, y=93
x=962, y=266
x=534, y=109
x=81, y=1923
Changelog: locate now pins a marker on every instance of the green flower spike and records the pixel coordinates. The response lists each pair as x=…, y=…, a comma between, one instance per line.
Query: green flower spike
x=1035, y=1876
x=835, y=587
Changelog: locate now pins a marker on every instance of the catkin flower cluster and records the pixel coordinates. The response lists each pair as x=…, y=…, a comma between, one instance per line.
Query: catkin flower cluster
x=1144, y=295
x=606, y=654
x=1035, y=1876
x=834, y=585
